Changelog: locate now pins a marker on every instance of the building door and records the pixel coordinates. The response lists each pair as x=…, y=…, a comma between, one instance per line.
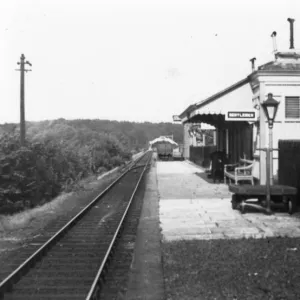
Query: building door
x=289, y=163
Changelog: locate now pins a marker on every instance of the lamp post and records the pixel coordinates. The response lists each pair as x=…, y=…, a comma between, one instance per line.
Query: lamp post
x=270, y=107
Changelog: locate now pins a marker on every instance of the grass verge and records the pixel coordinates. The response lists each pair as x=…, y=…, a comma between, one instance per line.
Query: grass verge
x=232, y=269
x=31, y=220
x=10, y=223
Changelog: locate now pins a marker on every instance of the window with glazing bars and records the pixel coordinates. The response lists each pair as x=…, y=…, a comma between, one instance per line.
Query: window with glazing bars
x=292, y=107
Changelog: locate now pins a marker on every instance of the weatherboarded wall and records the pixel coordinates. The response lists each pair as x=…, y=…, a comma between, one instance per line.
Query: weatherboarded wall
x=201, y=155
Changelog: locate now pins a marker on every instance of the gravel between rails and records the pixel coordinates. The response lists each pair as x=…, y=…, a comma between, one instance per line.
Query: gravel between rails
x=70, y=266
x=39, y=231
x=30, y=229
x=116, y=281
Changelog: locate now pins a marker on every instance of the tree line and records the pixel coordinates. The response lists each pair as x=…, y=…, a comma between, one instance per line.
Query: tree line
x=59, y=153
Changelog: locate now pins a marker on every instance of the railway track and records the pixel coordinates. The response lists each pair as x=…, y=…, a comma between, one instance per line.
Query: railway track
x=72, y=264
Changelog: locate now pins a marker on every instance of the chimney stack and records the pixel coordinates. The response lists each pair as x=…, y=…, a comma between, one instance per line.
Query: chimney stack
x=253, y=63
x=291, y=32
x=273, y=35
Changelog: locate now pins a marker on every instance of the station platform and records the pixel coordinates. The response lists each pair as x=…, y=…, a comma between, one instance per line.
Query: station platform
x=180, y=203
x=191, y=206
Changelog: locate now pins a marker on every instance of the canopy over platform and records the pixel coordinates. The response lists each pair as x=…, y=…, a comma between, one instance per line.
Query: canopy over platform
x=213, y=110
x=222, y=110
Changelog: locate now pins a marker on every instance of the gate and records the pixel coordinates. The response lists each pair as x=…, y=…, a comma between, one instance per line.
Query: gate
x=289, y=163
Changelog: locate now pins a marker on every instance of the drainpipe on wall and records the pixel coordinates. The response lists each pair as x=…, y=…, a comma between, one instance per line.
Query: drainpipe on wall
x=262, y=136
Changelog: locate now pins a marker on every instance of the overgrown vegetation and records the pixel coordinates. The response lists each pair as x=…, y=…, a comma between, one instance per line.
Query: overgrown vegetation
x=36, y=173
x=232, y=269
x=59, y=153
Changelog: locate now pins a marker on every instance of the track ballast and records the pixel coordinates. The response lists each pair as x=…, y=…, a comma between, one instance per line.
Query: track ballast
x=73, y=263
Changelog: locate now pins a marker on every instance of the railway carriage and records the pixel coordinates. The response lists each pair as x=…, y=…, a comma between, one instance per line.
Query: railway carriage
x=166, y=148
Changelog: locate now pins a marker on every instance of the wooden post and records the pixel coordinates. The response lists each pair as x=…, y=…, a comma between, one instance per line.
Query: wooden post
x=22, y=98
x=215, y=137
x=227, y=142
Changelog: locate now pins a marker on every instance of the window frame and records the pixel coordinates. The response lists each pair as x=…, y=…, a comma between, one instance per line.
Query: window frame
x=285, y=110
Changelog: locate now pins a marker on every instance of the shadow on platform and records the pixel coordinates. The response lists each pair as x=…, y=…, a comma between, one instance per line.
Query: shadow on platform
x=208, y=179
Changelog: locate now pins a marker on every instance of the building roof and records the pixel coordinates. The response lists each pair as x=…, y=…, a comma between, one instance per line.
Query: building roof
x=287, y=61
x=214, y=97
x=274, y=66
x=163, y=139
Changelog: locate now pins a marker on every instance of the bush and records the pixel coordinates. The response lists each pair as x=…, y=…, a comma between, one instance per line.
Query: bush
x=41, y=170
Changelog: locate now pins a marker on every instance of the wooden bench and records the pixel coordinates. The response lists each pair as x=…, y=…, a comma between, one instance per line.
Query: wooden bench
x=242, y=171
x=280, y=194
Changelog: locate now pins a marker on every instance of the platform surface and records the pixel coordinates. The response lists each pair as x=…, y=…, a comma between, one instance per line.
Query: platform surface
x=192, y=207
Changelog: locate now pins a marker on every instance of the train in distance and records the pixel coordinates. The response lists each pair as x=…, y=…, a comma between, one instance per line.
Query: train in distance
x=166, y=148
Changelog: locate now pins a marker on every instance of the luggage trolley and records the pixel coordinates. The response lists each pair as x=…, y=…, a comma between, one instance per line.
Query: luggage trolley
x=281, y=196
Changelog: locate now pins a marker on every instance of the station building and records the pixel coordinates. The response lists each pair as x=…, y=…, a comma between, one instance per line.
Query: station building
x=239, y=120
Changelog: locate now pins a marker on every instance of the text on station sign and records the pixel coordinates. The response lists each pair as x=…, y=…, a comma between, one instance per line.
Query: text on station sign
x=241, y=116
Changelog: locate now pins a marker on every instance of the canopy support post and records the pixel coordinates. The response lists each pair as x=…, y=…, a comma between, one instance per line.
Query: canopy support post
x=227, y=142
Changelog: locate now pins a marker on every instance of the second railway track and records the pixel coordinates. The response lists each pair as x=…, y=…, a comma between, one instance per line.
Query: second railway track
x=72, y=264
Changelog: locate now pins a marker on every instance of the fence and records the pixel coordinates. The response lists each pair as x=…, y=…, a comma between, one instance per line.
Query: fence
x=201, y=155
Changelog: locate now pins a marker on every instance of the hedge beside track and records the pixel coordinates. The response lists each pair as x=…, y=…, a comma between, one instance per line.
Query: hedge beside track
x=35, y=174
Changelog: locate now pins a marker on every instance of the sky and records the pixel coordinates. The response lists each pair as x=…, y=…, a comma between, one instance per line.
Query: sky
x=132, y=60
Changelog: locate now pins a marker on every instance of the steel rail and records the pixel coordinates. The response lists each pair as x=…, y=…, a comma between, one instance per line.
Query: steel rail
x=95, y=288
x=7, y=283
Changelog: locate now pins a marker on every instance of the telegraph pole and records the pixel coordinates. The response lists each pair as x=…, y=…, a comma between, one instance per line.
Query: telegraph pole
x=22, y=63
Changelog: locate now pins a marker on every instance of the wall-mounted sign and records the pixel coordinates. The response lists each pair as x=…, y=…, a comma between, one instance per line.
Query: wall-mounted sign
x=176, y=119
x=238, y=115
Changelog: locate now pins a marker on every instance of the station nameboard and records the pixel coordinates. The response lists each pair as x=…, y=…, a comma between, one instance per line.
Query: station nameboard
x=238, y=115
x=176, y=118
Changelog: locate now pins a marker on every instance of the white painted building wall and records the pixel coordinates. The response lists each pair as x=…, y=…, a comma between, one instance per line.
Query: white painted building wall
x=283, y=129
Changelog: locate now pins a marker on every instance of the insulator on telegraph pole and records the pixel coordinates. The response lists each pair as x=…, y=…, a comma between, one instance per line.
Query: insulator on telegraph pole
x=22, y=69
